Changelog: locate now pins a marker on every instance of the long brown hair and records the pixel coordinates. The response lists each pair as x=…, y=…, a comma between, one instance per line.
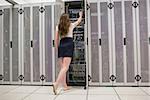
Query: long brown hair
x=64, y=24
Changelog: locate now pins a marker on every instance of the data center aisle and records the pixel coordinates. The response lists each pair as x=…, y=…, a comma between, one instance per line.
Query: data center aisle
x=8, y=92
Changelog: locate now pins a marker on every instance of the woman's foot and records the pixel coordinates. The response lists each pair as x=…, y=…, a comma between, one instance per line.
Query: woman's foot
x=55, y=88
x=67, y=88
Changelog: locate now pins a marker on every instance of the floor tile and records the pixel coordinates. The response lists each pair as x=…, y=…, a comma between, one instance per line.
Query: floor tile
x=7, y=88
x=40, y=97
x=101, y=90
x=44, y=90
x=129, y=91
x=71, y=97
x=13, y=96
x=74, y=91
x=25, y=89
x=103, y=97
x=134, y=97
x=146, y=89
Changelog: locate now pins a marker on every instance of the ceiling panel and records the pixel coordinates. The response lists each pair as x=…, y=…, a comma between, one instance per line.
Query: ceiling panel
x=4, y=3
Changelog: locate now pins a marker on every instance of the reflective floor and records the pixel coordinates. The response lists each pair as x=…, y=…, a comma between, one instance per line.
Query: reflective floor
x=8, y=92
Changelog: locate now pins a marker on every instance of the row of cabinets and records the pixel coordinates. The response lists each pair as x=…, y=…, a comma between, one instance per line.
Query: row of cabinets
x=119, y=42
x=26, y=42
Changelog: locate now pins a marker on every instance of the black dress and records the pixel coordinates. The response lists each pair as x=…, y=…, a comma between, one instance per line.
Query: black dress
x=66, y=47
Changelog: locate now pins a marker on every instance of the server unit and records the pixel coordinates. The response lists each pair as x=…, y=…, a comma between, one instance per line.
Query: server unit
x=5, y=45
x=119, y=42
x=77, y=71
x=1, y=74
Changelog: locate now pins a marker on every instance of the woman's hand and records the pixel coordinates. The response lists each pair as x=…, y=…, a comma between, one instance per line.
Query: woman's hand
x=79, y=19
x=80, y=13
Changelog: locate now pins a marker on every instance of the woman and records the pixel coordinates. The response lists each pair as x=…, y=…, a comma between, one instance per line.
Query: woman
x=65, y=47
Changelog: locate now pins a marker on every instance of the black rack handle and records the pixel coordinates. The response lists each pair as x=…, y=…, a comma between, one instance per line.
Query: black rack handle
x=125, y=41
x=53, y=43
x=10, y=44
x=100, y=42
x=31, y=44
x=87, y=41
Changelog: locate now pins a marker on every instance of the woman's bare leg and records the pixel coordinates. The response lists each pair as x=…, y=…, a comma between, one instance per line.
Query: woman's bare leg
x=62, y=73
x=55, y=85
x=60, y=61
x=64, y=78
x=61, y=64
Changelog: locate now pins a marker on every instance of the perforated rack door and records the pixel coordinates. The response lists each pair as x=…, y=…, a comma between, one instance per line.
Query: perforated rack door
x=15, y=45
x=143, y=25
x=6, y=44
x=1, y=46
x=36, y=44
x=27, y=36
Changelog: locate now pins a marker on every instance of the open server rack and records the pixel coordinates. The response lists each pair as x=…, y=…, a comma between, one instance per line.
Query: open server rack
x=76, y=75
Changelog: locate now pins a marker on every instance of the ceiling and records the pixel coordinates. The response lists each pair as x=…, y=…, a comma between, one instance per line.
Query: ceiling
x=4, y=2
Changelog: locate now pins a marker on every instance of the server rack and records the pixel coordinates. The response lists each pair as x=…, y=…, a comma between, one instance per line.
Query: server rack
x=42, y=63
x=143, y=70
x=76, y=75
x=27, y=54
x=1, y=76
x=119, y=42
x=5, y=37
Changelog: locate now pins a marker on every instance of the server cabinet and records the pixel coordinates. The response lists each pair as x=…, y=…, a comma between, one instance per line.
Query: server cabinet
x=26, y=39
x=30, y=44
x=5, y=52
x=99, y=43
x=16, y=46
x=48, y=43
x=1, y=46
x=135, y=32
x=113, y=37
x=38, y=66
x=27, y=54
x=5, y=27
x=20, y=44
x=119, y=42
x=124, y=43
x=36, y=53
x=77, y=70
x=51, y=16
x=93, y=42
x=26, y=44
x=142, y=14
x=6, y=45
x=32, y=50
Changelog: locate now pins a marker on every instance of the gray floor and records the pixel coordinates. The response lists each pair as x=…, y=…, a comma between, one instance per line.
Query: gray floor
x=8, y=92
